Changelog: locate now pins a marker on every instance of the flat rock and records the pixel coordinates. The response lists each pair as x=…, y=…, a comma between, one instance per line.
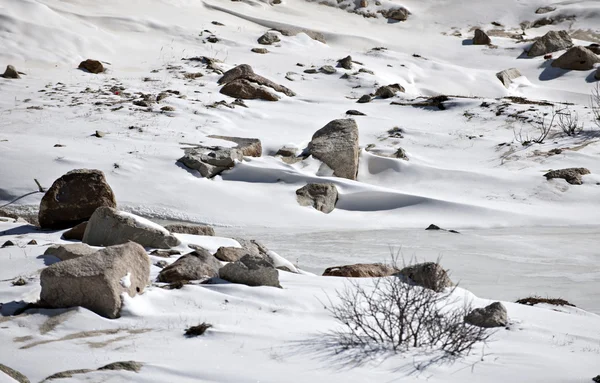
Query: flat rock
x=249, y=147
x=247, y=90
x=322, y=197
x=361, y=270
x=70, y=251
x=191, y=229
x=251, y=270
x=194, y=266
x=230, y=254
x=336, y=144
x=245, y=72
x=507, y=76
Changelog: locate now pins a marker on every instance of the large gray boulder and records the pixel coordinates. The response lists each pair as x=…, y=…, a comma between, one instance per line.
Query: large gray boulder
x=11, y=73
x=109, y=227
x=322, y=197
x=361, y=270
x=70, y=251
x=552, y=41
x=194, y=266
x=73, y=198
x=98, y=280
x=577, y=58
x=191, y=229
x=336, y=144
x=251, y=270
x=571, y=175
x=507, y=76
x=429, y=275
x=494, y=315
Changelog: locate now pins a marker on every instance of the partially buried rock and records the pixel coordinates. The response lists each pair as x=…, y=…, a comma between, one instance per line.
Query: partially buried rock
x=11, y=73
x=73, y=198
x=14, y=374
x=322, y=197
x=345, y=63
x=507, y=76
x=108, y=227
x=327, y=69
x=75, y=233
x=389, y=91
x=364, y=99
x=211, y=163
x=194, y=266
x=398, y=14
x=261, y=51
x=92, y=66
x=494, y=315
x=481, y=38
x=247, y=90
x=97, y=281
x=245, y=72
x=577, y=58
x=251, y=270
x=353, y=112
x=552, y=41
x=571, y=175
x=191, y=229
x=70, y=251
x=546, y=9
x=597, y=75
x=429, y=275
x=361, y=270
x=249, y=147
x=268, y=38
x=8, y=244
x=594, y=48
x=336, y=144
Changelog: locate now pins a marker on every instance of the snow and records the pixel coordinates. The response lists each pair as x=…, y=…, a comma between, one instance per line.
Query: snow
x=126, y=280
x=520, y=234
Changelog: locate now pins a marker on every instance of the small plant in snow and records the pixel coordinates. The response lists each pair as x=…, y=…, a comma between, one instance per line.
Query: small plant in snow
x=595, y=104
x=568, y=122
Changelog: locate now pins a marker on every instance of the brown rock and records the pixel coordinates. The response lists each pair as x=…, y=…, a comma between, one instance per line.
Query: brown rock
x=230, y=254
x=194, y=266
x=577, y=58
x=76, y=232
x=191, y=229
x=361, y=270
x=247, y=90
x=571, y=175
x=92, y=66
x=481, y=38
x=11, y=72
x=429, y=275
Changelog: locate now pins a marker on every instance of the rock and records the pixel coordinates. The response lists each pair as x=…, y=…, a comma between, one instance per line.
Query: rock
x=493, y=315
x=597, y=75
x=8, y=244
x=577, y=58
x=571, y=175
x=353, y=112
x=327, y=69
x=14, y=374
x=336, y=144
x=507, y=76
x=99, y=134
x=211, y=163
x=268, y=38
x=230, y=254
x=311, y=71
x=212, y=39
x=364, y=99
x=594, y=48
x=398, y=14
x=247, y=90
x=433, y=227
x=73, y=198
x=11, y=72
x=361, y=270
x=251, y=270
x=322, y=197
x=481, y=38
x=97, y=281
x=70, y=251
x=249, y=147
x=429, y=275
x=389, y=91
x=194, y=266
x=245, y=72
x=252, y=247
x=401, y=154
x=33, y=242
x=128, y=365
x=546, y=9
x=293, y=31
x=345, y=63
x=551, y=42
x=92, y=66
x=165, y=253
x=261, y=51
x=108, y=227
x=287, y=151
x=75, y=233
x=191, y=229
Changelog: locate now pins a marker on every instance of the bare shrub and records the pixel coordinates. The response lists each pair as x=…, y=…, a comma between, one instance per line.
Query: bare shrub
x=568, y=122
x=595, y=104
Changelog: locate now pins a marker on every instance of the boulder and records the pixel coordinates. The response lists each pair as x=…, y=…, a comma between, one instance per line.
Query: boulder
x=212, y=162
x=577, y=58
x=73, y=198
x=98, y=280
x=247, y=90
x=70, y=251
x=571, y=175
x=268, y=38
x=251, y=270
x=494, y=315
x=252, y=246
x=481, y=38
x=345, y=63
x=108, y=227
x=507, y=76
x=75, y=233
x=398, y=14
x=194, y=266
x=551, y=42
x=594, y=48
x=322, y=197
x=327, y=69
x=429, y=275
x=245, y=72
x=92, y=66
x=230, y=254
x=546, y=9
x=11, y=72
x=336, y=144
x=389, y=91
x=249, y=147
x=361, y=270
x=365, y=98
x=191, y=229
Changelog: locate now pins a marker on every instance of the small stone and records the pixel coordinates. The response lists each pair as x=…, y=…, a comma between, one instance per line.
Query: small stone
x=99, y=134
x=322, y=197
x=433, y=227
x=268, y=38
x=311, y=71
x=92, y=66
x=33, y=242
x=19, y=282
x=353, y=112
x=164, y=253
x=361, y=270
x=364, y=99
x=8, y=244
x=217, y=23
x=261, y=51
x=345, y=63
x=481, y=38
x=212, y=39
x=327, y=69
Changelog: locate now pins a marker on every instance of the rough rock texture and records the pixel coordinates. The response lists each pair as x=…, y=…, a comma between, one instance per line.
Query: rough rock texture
x=345, y=63
x=251, y=270
x=97, y=281
x=577, y=58
x=494, y=315
x=551, y=42
x=76, y=232
x=571, y=175
x=429, y=275
x=109, y=227
x=14, y=374
x=336, y=144
x=389, y=91
x=545, y=9
x=73, y=198
x=361, y=270
x=11, y=72
x=211, y=163
x=327, y=69
x=365, y=98
x=594, y=48
x=197, y=265
x=249, y=147
x=245, y=72
x=398, y=14
x=92, y=66
x=191, y=229
x=322, y=197
x=247, y=90
x=70, y=251
x=293, y=31
x=230, y=254
x=506, y=76
x=481, y=38
x=262, y=51
x=268, y=38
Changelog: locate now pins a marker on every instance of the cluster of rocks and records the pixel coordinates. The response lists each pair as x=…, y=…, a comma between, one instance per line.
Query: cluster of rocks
x=241, y=82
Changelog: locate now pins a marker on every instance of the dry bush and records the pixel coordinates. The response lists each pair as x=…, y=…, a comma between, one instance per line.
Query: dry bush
x=568, y=122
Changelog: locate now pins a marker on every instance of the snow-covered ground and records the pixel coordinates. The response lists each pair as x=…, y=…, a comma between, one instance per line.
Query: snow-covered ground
x=520, y=234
